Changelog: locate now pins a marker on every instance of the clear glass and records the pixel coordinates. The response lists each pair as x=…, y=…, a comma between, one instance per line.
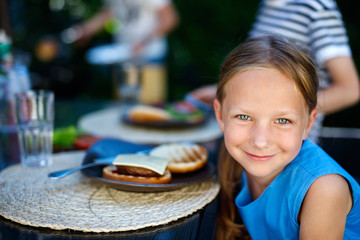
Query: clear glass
x=128, y=83
x=35, y=119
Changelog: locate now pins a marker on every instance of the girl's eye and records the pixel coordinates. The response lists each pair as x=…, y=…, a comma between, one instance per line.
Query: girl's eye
x=243, y=117
x=282, y=121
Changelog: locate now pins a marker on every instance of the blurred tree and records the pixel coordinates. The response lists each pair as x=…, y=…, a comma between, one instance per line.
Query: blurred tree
x=208, y=31
x=36, y=28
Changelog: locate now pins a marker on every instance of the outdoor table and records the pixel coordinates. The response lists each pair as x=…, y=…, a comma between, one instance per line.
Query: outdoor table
x=33, y=206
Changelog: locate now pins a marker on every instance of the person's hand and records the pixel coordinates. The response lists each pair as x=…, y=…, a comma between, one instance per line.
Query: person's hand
x=205, y=94
x=80, y=34
x=75, y=35
x=137, y=48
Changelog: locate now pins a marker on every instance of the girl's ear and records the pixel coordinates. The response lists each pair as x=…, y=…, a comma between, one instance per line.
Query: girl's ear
x=217, y=109
x=311, y=121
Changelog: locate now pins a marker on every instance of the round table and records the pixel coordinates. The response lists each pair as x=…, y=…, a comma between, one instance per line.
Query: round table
x=108, y=123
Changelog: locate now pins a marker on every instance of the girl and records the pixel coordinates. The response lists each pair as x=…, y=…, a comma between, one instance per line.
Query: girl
x=290, y=188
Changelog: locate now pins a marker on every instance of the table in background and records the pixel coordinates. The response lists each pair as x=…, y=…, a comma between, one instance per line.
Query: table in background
x=199, y=225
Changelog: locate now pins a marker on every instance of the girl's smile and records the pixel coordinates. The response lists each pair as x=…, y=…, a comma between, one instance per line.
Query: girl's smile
x=260, y=158
x=264, y=119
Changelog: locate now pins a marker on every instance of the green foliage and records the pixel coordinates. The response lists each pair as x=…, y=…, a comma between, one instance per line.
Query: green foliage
x=208, y=30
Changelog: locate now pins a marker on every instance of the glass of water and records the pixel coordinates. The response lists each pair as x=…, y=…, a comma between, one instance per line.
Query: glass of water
x=128, y=83
x=35, y=119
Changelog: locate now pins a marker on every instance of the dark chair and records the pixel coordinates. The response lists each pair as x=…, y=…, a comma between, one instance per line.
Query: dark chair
x=343, y=144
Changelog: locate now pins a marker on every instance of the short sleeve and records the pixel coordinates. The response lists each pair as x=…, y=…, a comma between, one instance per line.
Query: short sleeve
x=328, y=36
x=160, y=3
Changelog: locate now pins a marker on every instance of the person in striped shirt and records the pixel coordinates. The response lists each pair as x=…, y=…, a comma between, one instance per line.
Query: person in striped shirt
x=316, y=25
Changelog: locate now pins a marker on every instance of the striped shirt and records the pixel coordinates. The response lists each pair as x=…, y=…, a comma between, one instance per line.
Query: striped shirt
x=315, y=24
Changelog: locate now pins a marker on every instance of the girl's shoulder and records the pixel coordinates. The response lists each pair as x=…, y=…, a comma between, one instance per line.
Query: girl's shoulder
x=330, y=187
x=318, y=170
x=328, y=196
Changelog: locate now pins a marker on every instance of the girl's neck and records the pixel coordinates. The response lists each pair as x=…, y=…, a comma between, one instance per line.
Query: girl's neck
x=257, y=185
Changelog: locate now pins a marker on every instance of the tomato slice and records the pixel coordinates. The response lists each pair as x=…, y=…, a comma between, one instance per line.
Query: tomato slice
x=85, y=142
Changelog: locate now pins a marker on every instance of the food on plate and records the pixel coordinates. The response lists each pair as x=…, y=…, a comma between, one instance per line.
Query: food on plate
x=112, y=173
x=183, y=158
x=176, y=112
x=84, y=142
x=148, y=114
x=137, y=168
x=185, y=111
x=71, y=138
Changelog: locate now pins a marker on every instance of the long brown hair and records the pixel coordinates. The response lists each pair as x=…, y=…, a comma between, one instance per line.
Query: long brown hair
x=264, y=52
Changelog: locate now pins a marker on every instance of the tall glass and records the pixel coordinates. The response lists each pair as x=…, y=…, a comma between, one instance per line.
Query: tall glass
x=127, y=81
x=35, y=119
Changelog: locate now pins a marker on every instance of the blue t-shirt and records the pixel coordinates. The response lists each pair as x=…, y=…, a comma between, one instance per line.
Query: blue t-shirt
x=274, y=214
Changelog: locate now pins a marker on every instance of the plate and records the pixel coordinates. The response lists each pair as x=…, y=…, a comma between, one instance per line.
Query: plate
x=182, y=115
x=122, y=52
x=165, y=124
x=109, y=54
x=178, y=180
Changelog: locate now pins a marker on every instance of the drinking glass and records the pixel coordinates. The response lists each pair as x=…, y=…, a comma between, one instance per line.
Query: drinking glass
x=127, y=81
x=34, y=112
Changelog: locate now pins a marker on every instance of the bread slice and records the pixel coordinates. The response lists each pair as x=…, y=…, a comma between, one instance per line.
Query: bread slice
x=148, y=114
x=182, y=158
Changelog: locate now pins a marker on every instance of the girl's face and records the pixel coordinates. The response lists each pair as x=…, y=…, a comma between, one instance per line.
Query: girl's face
x=264, y=119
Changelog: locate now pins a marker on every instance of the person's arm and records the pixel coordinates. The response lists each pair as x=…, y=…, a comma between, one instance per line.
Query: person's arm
x=81, y=33
x=168, y=21
x=96, y=23
x=324, y=209
x=344, y=90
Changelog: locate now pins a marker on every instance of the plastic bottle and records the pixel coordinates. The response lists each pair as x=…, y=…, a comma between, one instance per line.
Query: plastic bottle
x=14, y=78
x=6, y=113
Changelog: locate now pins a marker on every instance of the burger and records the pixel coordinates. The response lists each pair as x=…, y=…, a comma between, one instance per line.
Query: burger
x=182, y=157
x=137, y=168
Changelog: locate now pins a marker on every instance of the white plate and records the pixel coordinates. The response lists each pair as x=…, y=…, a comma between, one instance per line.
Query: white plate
x=109, y=54
x=120, y=52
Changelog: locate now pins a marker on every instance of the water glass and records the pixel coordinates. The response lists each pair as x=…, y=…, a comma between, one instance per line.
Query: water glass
x=127, y=80
x=35, y=119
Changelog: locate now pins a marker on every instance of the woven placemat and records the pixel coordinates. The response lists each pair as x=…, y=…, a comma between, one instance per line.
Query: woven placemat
x=107, y=122
x=29, y=197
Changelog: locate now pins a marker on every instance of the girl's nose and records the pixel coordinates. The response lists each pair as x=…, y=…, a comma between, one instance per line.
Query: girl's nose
x=261, y=136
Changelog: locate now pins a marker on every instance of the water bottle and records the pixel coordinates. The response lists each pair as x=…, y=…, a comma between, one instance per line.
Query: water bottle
x=6, y=115
x=14, y=77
